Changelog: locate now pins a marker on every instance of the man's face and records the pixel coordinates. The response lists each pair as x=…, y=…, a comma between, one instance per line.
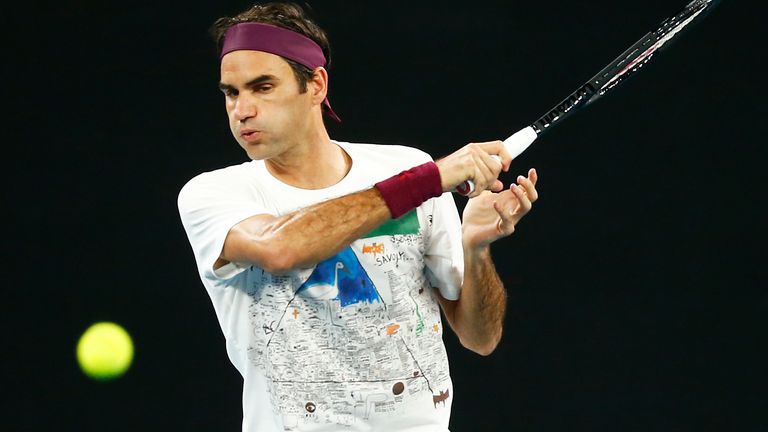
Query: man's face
x=267, y=113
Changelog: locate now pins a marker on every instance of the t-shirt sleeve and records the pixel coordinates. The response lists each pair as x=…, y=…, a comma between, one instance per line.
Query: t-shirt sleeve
x=209, y=208
x=444, y=256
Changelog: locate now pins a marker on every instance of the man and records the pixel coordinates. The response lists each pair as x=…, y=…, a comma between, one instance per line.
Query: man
x=328, y=262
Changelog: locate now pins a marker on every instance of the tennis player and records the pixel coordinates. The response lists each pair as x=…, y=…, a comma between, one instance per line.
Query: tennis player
x=328, y=262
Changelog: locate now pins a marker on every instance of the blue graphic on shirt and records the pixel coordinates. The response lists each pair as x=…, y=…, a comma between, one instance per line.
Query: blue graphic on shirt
x=340, y=277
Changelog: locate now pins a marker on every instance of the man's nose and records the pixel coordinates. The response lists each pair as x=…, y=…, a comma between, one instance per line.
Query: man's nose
x=245, y=107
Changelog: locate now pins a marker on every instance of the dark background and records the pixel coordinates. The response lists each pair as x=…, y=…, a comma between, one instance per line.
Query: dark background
x=637, y=284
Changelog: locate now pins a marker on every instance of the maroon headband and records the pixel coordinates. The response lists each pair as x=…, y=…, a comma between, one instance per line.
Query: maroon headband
x=279, y=41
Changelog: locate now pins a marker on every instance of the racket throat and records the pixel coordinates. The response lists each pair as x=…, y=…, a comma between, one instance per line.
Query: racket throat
x=579, y=98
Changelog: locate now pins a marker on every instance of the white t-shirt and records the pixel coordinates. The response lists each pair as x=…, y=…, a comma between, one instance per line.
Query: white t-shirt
x=354, y=343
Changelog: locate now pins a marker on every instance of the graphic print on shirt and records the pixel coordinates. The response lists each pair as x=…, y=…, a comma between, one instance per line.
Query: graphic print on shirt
x=359, y=337
x=342, y=278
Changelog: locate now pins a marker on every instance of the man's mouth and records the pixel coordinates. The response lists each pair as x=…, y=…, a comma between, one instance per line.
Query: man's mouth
x=250, y=134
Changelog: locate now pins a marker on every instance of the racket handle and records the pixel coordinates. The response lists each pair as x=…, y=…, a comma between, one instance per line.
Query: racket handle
x=515, y=145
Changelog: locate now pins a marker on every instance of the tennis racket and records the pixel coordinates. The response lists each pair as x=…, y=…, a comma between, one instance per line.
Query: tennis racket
x=629, y=62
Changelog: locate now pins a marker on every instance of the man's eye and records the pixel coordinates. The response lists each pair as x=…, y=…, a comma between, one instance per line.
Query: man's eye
x=230, y=93
x=265, y=88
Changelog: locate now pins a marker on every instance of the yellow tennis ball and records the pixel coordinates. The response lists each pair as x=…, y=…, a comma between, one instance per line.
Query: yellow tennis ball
x=105, y=351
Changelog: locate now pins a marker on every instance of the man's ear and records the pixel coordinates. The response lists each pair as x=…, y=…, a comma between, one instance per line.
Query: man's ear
x=318, y=85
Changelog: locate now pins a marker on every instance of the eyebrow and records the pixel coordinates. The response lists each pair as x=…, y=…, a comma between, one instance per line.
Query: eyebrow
x=250, y=84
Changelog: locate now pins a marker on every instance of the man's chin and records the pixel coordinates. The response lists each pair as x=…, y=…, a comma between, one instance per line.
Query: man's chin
x=255, y=150
x=255, y=154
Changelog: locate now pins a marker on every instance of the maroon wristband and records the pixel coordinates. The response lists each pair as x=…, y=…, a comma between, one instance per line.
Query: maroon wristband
x=406, y=191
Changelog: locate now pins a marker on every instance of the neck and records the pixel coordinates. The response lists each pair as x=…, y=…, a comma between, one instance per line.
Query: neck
x=312, y=162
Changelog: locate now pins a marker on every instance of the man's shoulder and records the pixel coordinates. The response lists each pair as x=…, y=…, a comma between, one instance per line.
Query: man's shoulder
x=216, y=180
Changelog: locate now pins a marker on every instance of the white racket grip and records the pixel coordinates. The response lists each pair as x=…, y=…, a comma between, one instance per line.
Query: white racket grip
x=515, y=145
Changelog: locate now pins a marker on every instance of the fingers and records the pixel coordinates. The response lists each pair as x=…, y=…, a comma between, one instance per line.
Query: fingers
x=506, y=222
x=488, y=169
x=497, y=148
x=512, y=205
x=529, y=185
x=506, y=157
x=485, y=167
x=522, y=198
x=479, y=162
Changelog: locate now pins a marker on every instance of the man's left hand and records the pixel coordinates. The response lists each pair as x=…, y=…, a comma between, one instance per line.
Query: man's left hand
x=491, y=216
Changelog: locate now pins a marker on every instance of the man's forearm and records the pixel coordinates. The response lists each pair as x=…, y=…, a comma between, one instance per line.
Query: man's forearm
x=312, y=234
x=479, y=313
x=307, y=236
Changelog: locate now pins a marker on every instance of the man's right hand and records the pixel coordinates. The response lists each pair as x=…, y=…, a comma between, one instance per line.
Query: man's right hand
x=475, y=162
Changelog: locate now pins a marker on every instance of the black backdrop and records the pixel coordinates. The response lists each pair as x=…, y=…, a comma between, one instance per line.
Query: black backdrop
x=637, y=284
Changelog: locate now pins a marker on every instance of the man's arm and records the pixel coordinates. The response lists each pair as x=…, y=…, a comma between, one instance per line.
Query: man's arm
x=477, y=317
x=305, y=237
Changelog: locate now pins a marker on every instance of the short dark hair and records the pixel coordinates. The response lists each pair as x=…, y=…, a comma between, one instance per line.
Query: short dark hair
x=281, y=14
